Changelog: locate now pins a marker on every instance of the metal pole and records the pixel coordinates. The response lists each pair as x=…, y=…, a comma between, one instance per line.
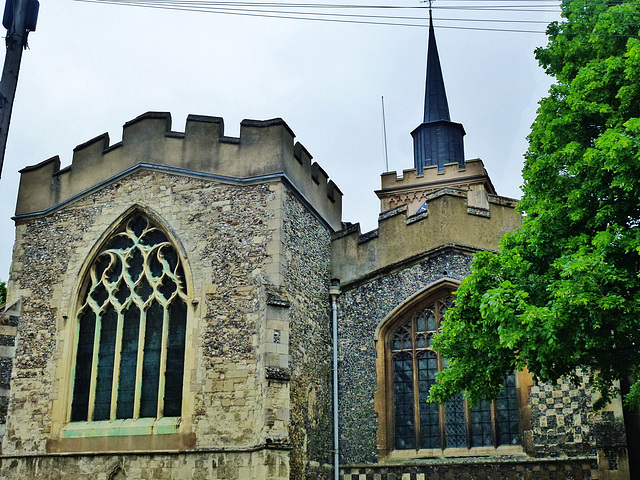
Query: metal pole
x=384, y=132
x=334, y=291
x=16, y=41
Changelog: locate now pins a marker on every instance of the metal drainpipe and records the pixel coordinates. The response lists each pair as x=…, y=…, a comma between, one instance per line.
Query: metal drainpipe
x=334, y=291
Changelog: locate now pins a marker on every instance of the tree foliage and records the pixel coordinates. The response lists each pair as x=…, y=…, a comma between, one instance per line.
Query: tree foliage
x=3, y=293
x=563, y=292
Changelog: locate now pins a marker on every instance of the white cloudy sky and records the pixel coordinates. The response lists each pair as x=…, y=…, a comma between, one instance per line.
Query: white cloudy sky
x=92, y=67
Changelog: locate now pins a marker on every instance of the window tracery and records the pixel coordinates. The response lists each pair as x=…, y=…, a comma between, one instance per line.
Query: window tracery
x=131, y=329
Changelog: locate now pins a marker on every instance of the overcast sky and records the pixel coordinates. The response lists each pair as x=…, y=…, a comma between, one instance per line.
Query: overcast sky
x=92, y=67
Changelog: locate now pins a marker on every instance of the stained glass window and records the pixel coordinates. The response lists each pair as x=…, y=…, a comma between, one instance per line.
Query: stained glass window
x=422, y=425
x=131, y=329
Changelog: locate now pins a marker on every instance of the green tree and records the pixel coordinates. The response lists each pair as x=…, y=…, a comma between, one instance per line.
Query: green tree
x=3, y=293
x=564, y=291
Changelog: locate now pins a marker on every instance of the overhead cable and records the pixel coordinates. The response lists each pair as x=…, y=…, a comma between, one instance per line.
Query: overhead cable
x=239, y=8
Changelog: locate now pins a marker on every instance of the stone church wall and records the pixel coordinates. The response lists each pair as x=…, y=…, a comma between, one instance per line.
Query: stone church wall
x=307, y=284
x=8, y=331
x=46, y=271
x=560, y=432
x=486, y=469
x=255, y=249
x=226, y=232
x=361, y=309
x=258, y=255
x=191, y=465
x=562, y=436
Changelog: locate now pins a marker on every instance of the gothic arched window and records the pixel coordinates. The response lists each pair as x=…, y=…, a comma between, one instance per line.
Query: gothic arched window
x=411, y=370
x=131, y=328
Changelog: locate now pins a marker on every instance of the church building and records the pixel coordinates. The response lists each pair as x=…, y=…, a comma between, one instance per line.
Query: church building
x=189, y=305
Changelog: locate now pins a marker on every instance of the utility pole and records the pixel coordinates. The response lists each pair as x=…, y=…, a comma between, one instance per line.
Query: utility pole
x=19, y=18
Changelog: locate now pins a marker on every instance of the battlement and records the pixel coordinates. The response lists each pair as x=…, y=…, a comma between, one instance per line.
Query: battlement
x=473, y=171
x=412, y=188
x=263, y=151
x=447, y=221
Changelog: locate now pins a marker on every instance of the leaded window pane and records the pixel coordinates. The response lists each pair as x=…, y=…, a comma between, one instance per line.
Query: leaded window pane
x=429, y=412
x=456, y=423
x=175, y=359
x=508, y=421
x=403, y=400
x=132, y=324
x=429, y=425
x=135, y=265
x=481, y=425
x=151, y=361
x=106, y=356
x=128, y=361
x=431, y=321
x=84, y=358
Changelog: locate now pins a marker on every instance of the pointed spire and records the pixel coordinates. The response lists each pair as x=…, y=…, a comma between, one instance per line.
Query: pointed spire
x=438, y=140
x=435, y=98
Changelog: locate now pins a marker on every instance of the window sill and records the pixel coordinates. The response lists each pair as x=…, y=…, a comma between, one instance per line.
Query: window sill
x=504, y=450
x=119, y=428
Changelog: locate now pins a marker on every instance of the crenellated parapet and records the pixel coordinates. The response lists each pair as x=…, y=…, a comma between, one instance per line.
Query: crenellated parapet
x=412, y=188
x=265, y=150
x=449, y=219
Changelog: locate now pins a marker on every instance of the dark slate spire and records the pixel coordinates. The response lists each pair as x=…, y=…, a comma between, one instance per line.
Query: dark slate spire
x=438, y=140
x=435, y=98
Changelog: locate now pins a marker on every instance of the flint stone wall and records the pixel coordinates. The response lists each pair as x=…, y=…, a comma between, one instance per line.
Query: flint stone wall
x=225, y=244
x=361, y=309
x=180, y=466
x=232, y=238
x=8, y=330
x=307, y=283
x=558, y=420
x=461, y=469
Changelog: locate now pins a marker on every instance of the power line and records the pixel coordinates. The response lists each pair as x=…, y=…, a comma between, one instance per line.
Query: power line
x=298, y=16
x=267, y=10
x=385, y=17
x=214, y=5
x=207, y=3
x=340, y=5
x=522, y=8
x=538, y=6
